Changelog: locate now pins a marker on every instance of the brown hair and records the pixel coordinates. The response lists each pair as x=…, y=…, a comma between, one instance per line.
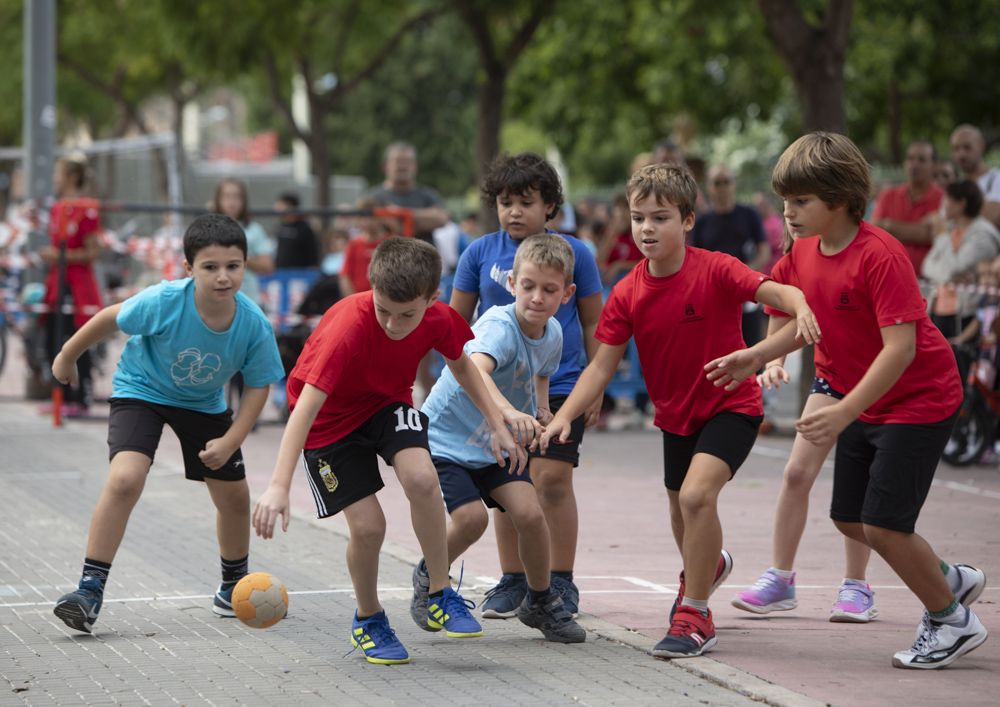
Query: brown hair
x=546, y=250
x=404, y=269
x=668, y=182
x=243, y=216
x=828, y=165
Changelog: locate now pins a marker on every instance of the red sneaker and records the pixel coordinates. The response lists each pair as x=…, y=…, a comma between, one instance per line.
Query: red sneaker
x=721, y=572
x=691, y=634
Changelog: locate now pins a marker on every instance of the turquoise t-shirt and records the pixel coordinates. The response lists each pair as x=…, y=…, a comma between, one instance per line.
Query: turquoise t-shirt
x=458, y=432
x=173, y=358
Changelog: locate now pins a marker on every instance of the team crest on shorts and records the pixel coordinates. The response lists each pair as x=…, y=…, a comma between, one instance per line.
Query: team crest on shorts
x=329, y=479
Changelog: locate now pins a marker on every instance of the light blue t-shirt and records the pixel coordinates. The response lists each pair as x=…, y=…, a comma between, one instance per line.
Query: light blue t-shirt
x=483, y=269
x=173, y=358
x=258, y=243
x=458, y=431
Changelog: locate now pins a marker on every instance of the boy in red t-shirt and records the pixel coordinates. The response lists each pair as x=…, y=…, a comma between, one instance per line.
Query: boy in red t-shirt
x=350, y=396
x=359, y=250
x=898, y=372
x=683, y=305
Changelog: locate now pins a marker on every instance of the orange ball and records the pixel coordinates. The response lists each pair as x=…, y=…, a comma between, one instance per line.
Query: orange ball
x=260, y=600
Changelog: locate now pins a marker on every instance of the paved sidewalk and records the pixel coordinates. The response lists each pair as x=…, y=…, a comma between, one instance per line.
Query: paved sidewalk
x=157, y=641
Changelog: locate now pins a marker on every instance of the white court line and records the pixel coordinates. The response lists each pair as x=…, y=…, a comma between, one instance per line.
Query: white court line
x=775, y=453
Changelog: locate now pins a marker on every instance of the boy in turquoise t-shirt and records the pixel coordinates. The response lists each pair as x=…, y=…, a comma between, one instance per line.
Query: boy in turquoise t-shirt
x=517, y=347
x=187, y=339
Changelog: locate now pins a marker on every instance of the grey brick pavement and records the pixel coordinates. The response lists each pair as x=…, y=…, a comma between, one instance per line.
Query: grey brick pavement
x=157, y=641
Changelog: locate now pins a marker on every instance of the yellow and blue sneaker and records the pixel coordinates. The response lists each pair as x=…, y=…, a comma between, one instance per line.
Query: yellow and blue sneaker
x=450, y=612
x=377, y=640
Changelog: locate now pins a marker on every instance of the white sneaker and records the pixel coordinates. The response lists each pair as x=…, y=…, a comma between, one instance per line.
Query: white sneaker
x=940, y=644
x=973, y=581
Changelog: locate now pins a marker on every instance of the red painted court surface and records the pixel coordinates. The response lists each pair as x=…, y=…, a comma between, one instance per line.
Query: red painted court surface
x=627, y=565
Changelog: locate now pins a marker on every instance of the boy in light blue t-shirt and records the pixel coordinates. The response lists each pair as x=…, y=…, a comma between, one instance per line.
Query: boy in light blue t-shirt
x=187, y=339
x=517, y=347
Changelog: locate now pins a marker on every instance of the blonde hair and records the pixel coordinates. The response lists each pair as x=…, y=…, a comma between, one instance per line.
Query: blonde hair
x=404, y=269
x=546, y=250
x=828, y=165
x=668, y=182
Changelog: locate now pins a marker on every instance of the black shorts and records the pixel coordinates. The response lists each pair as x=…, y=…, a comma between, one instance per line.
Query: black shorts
x=461, y=485
x=568, y=451
x=346, y=471
x=136, y=425
x=729, y=436
x=821, y=386
x=882, y=473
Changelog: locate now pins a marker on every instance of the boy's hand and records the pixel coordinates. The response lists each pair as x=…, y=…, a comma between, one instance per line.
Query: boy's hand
x=557, y=431
x=523, y=426
x=774, y=376
x=806, y=326
x=64, y=370
x=734, y=368
x=216, y=453
x=544, y=417
x=272, y=504
x=517, y=459
x=825, y=425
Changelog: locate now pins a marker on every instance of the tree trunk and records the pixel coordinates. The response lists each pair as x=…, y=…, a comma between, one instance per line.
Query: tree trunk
x=895, y=110
x=819, y=81
x=491, y=101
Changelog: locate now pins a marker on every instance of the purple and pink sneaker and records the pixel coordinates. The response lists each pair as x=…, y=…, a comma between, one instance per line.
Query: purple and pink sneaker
x=855, y=603
x=769, y=593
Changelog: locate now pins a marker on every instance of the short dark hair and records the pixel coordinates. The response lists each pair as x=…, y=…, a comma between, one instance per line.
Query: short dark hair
x=404, y=269
x=968, y=191
x=290, y=198
x=213, y=229
x=519, y=174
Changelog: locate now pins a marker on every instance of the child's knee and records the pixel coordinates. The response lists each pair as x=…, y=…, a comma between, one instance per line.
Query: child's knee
x=421, y=482
x=232, y=497
x=881, y=539
x=554, y=489
x=470, y=520
x=126, y=484
x=528, y=520
x=695, y=499
x=367, y=533
x=798, y=476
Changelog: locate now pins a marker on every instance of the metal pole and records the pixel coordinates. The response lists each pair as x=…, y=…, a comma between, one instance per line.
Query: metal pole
x=39, y=96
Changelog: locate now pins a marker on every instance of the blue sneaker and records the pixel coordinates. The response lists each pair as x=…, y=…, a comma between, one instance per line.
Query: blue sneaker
x=377, y=640
x=503, y=600
x=451, y=613
x=568, y=592
x=222, y=604
x=421, y=591
x=79, y=608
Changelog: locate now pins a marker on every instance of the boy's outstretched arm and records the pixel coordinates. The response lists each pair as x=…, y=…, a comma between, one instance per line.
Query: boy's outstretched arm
x=791, y=300
x=523, y=426
x=591, y=385
x=99, y=327
x=589, y=309
x=544, y=415
x=734, y=368
x=899, y=346
x=274, y=501
x=218, y=451
x=468, y=376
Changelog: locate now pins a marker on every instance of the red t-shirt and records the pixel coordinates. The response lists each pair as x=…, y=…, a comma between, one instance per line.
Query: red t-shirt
x=895, y=203
x=869, y=285
x=680, y=323
x=73, y=221
x=352, y=360
x=357, y=258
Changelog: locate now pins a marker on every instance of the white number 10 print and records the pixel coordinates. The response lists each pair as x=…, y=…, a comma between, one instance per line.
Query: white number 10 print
x=408, y=419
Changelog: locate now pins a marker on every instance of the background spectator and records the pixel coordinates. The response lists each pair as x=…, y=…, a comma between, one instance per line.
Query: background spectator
x=907, y=210
x=231, y=200
x=297, y=247
x=400, y=188
x=967, y=148
x=358, y=254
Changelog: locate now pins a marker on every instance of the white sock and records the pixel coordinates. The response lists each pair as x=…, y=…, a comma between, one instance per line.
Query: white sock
x=784, y=574
x=953, y=576
x=699, y=604
x=958, y=617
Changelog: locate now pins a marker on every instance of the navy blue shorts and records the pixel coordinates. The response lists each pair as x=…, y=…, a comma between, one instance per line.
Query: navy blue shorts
x=461, y=485
x=821, y=386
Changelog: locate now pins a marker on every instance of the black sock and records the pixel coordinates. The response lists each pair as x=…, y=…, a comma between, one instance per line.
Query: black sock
x=234, y=570
x=437, y=595
x=564, y=574
x=535, y=597
x=97, y=569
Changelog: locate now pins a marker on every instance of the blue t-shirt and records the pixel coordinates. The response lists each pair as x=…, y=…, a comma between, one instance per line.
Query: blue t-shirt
x=173, y=358
x=483, y=269
x=458, y=432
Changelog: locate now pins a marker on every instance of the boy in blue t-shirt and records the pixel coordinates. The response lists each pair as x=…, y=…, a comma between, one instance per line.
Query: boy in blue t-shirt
x=187, y=339
x=517, y=348
x=526, y=192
